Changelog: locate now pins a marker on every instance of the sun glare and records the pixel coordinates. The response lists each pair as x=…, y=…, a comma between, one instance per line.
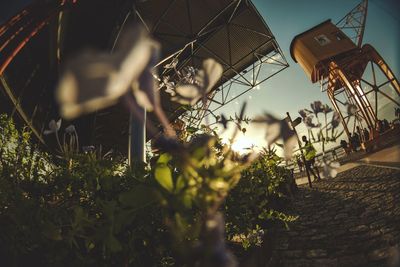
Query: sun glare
x=242, y=144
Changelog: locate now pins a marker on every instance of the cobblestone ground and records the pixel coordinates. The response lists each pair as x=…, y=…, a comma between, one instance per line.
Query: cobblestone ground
x=351, y=220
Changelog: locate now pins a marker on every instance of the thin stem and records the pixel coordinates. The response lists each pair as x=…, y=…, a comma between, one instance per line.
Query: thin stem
x=58, y=141
x=326, y=123
x=77, y=141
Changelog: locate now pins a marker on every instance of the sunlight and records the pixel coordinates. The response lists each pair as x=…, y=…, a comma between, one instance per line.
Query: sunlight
x=242, y=144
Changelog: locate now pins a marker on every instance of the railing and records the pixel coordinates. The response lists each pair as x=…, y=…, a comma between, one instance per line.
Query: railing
x=385, y=139
x=336, y=153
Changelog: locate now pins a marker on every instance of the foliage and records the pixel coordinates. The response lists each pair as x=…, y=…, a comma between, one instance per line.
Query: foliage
x=83, y=211
x=91, y=209
x=255, y=202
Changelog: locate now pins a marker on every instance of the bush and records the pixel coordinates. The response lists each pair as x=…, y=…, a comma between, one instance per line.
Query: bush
x=82, y=211
x=257, y=200
x=89, y=209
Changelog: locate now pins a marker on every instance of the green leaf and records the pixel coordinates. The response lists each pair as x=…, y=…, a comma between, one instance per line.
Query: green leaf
x=52, y=232
x=138, y=197
x=187, y=200
x=163, y=176
x=164, y=158
x=191, y=129
x=180, y=183
x=113, y=244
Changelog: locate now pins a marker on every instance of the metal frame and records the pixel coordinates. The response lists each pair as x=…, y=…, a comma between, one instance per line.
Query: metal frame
x=347, y=75
x=19, y=30
x=346, y=80
x=231, y=87
x=14, y=35
x=353, y=24
x=237, y=86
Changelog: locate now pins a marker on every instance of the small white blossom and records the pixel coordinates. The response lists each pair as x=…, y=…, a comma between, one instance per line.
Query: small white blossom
x=88, y=148
x=329, y=168
x=172, y=64
x=53, y=127
x=205, y=80
x=70, y=129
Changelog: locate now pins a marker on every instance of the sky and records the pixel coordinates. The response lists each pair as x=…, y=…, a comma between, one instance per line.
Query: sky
x=291, y=90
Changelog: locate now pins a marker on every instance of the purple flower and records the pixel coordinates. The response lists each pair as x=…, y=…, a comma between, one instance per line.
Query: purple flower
x=351, y=109
x=326, y=109
x=304, y=113
x=278, y=129
x=317, y=107
x=335, y=120
x=308, y=121
x=224, y=121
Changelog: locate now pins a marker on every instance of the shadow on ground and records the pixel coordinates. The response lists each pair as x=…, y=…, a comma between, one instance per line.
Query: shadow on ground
x=351, y=220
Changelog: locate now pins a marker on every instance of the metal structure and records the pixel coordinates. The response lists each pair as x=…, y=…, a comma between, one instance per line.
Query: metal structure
x=232, y=32
x=350, y=73
x=251, y=78
x=353, y=24
x=35, y=42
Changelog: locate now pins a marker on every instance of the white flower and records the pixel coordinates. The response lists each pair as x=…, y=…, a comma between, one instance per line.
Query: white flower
x=172, y=64
x=169, y=86
x=278, y=129
x=88, y=148
x=94, y=81
x=53, y=127
x=206, y=78
x=329, y=168
x=189, y=75
x=70, y=129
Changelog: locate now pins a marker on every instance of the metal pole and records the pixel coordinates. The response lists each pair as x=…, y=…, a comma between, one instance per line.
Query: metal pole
x=137, y=138
x=301, y=150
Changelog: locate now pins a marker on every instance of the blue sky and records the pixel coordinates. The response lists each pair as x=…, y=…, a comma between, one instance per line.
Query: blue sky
x=291, y=90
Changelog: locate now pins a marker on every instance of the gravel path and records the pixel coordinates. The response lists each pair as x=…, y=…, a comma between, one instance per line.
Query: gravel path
x=351, y=220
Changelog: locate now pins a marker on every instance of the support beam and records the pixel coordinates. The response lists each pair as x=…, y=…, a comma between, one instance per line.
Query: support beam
x=137, y=138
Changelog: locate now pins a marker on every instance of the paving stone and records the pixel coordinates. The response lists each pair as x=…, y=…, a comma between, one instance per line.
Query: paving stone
x=296, y=263
x=352, y=260
x=351, y=220
x=316, y=253
x=378, y=254
x=320, y=236
x=293, y=253
x=325, y=262
x=340, y=216
x=359, y=228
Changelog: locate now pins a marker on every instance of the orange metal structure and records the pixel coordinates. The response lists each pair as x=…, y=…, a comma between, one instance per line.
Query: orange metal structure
x=348, y=72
